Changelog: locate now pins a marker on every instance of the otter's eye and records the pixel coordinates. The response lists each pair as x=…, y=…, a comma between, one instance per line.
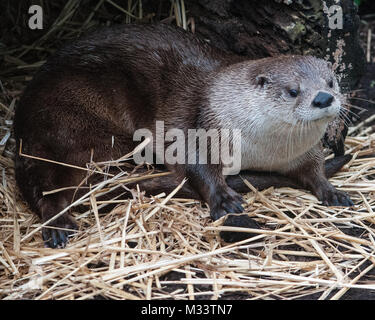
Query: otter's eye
x=293, y=93
x=330, y=83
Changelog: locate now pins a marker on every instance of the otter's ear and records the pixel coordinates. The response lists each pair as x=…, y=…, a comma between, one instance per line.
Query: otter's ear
x=262, y=80
x=329, y=64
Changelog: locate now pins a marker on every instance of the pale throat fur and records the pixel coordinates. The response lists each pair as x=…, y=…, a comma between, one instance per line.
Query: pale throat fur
x=278, y=132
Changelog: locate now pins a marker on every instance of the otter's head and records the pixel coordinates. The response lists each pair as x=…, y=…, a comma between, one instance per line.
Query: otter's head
x=281, y=105
x=299, y=89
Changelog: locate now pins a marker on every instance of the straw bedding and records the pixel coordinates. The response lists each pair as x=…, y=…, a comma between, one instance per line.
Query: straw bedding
x=303, y=248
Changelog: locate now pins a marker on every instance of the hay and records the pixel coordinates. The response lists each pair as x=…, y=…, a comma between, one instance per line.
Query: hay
x=168, y=248
x=302, y=249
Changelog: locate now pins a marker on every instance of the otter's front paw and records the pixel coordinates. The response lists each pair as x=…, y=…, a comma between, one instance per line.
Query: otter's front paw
x=224, y=200
x=238, y=220
x=335, y=197
x=57, y=238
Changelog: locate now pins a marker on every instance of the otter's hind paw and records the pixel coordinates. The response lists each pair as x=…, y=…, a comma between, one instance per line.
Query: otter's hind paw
x=336, y=198
x=55, y=236
x=238, y=220
x=223, y=201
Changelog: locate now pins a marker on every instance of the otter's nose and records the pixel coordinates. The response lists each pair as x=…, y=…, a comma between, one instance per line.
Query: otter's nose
x=322, y=100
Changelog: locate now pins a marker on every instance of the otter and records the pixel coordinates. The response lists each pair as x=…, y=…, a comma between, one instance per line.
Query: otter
x=90, y=97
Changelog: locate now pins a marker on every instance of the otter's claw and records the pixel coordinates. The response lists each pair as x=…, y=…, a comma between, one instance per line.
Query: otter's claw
x=336, y=198
x=57, y=238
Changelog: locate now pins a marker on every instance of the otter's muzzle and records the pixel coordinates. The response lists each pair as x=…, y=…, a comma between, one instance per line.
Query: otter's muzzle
x=322, y=100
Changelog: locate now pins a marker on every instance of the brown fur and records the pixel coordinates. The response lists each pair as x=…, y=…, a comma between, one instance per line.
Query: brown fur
x=112, y=83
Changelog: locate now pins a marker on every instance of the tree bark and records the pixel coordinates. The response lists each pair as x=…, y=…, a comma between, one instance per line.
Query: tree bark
x=259, y=29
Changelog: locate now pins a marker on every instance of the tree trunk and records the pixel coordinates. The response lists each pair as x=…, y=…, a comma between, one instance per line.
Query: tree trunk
x=259, y=29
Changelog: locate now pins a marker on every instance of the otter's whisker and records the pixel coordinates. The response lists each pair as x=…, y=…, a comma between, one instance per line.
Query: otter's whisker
x=351, y=112
x=354, y=107
x=345, y=117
